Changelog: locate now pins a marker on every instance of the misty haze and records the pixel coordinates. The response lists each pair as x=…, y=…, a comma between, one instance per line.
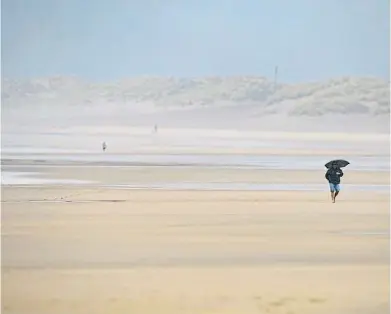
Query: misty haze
x=195, y=156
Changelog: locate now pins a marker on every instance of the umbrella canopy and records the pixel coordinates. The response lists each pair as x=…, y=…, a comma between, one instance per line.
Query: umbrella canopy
x=339, y=162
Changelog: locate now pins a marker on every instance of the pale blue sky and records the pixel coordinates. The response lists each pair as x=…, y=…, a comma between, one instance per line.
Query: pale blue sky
x=106, y=40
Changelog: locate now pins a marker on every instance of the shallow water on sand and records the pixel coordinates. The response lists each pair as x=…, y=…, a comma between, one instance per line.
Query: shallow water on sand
x=274, y=162
x=32, y=178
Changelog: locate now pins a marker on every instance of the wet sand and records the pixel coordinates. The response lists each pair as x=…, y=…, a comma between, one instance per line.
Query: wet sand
x=102, y=250
x=26, y=140
x=150, y=174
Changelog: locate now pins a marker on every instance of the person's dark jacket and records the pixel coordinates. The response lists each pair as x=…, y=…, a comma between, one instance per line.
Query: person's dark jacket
x=334, y=175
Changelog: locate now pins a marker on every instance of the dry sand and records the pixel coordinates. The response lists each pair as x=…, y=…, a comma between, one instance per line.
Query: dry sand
x=122, y=251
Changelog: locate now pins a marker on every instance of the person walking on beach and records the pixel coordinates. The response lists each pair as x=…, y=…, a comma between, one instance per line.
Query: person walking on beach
x=104, y=146
x=333, y=175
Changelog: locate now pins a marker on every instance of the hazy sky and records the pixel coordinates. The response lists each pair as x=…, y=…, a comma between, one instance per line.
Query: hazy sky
x=110, y=39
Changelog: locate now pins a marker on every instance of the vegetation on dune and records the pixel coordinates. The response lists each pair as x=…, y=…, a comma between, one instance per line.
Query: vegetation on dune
x=368, y=96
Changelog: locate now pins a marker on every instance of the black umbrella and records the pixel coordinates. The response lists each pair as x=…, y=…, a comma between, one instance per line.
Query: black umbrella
x=339, y=162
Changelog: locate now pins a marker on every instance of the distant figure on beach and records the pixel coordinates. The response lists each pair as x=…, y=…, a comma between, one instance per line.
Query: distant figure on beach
x=333, y=175
x=155, y=128
x=104, y=146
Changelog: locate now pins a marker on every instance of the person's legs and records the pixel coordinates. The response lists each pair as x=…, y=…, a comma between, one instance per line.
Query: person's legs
x=337, y=189
x=332, y=192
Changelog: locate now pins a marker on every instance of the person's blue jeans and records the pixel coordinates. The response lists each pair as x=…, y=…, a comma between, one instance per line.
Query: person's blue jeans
x=334, y=187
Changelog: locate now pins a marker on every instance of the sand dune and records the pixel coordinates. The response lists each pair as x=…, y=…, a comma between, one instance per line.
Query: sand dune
x=338, y=105
x=340, y=95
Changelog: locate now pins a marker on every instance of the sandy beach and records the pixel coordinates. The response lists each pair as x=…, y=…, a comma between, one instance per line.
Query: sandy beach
x=69, y=249
x=158, y=224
